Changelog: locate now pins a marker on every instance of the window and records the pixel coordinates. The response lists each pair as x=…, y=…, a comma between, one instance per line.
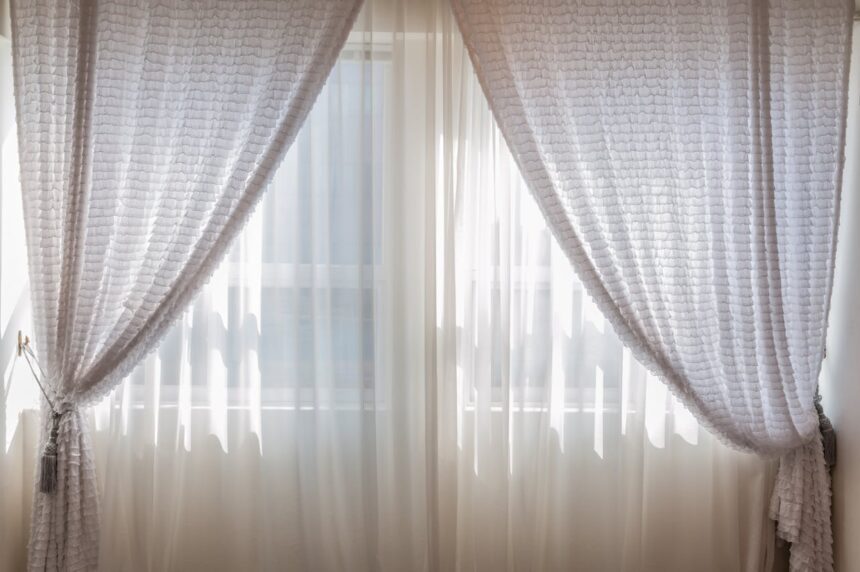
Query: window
x=296, y=299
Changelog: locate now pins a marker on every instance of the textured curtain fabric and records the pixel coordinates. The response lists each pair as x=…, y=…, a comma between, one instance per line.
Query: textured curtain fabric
x=298, y=415
x=147, y=132
x=687, y=156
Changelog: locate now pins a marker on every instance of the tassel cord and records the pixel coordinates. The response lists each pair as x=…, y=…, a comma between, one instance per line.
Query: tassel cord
x=28, y=353
x=48, y=462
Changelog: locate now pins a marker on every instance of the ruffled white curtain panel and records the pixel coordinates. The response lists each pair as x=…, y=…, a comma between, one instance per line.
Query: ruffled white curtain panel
x=688, y=156
x=147, y=133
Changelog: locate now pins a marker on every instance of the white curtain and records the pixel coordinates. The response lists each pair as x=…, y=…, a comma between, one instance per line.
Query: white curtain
x=281, y=424
x=147, y=133
x=395, y=369
x=569, y=455
x=688, y=158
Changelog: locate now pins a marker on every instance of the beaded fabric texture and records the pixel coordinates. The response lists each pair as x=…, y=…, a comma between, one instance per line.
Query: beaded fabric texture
x=687, y=155
x=147, y=133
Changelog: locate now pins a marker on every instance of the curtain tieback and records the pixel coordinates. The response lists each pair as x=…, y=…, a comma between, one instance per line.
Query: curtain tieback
x=800, y=503
x=48, y=465
x=828, y=434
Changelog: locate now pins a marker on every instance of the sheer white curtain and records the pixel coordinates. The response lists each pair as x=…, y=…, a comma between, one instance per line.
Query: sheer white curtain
x=569, y=455
x=395, y=369
x=282, y=423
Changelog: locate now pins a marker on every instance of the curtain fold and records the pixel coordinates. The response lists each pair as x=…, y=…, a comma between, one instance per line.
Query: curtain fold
x=687, y=156
x=147, y=133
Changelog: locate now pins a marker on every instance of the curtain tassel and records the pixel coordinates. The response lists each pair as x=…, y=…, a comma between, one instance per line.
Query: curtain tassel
x=48, y=464
x=48, y=467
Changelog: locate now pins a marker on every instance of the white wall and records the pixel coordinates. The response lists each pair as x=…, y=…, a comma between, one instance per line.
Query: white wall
x=840, y=383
